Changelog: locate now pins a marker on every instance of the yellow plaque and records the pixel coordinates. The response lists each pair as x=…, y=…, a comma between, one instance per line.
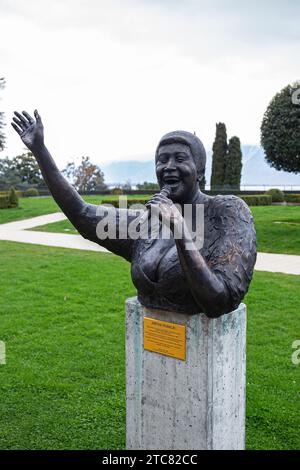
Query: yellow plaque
x=164, y=338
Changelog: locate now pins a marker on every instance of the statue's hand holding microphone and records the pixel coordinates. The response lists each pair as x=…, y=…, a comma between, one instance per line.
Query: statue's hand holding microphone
x=163, y=207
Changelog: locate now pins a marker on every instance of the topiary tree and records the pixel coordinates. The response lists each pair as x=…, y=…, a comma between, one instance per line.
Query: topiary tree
x=233, y=165
x=117, y=191
x=277, y=194
x=280, y=130
x=218, y=158
x=13, y=198
x=31, y=192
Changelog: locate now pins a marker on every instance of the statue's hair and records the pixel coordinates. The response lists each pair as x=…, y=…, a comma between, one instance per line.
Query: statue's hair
x=195, y=144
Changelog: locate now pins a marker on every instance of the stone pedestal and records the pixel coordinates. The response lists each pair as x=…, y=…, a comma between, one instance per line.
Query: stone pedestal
x=192, y=404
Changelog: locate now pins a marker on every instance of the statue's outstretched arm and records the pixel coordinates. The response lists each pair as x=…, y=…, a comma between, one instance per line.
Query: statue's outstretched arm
x=31, y=132
x=85, y=217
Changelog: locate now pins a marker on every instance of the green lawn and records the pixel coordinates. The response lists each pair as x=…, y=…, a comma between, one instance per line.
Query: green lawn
x=29, y=207
x=35, y=206
x=63, y=387
x=277, y=227
x=62, y=318
x=64, y=226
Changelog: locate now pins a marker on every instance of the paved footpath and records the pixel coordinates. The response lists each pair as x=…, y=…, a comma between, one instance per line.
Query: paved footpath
x=18, y=232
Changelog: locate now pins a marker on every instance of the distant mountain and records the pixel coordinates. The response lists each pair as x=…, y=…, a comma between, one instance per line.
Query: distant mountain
x=256, y=170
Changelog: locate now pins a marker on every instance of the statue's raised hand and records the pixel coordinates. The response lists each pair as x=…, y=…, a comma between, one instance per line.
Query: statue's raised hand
x=29, y=129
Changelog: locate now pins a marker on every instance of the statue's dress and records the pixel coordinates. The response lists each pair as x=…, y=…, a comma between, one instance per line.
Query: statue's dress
x=229, y=249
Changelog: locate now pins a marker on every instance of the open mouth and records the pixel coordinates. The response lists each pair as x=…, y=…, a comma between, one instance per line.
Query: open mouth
x=171, y=180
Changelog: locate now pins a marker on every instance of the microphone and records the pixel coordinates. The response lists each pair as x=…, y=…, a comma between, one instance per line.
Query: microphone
x=165, y=191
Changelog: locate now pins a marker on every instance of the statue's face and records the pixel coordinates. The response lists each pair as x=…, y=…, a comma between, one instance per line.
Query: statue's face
x=176, y=168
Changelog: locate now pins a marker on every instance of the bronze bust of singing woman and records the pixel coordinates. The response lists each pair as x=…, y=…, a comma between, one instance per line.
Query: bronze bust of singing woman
x=169, y=273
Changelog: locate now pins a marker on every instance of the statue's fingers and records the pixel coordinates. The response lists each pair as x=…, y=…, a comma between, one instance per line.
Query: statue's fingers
x=148, y=205
x=153, y=207
x=16, y=128
x=37, y=116
x=28, y=117
x=20, y=123
x=22, y=119
x=158, y=199
x=156, y=196
x=151, y=202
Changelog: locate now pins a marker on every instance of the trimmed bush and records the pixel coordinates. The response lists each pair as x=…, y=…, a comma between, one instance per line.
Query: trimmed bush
x=4, y=202
x=277, y=195
x=117, y=191
x=9, y=200
x=255, y=200
x=6, y=193
x=258, y=200
x=292, y=198
x=130, y=202
x=31, y=192
x=13, y=198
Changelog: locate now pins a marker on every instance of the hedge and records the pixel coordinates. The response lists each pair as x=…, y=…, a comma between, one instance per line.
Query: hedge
x=258, y=200
x=292, y=198
x=6, y=193
x=4, y=202
x=130, y=202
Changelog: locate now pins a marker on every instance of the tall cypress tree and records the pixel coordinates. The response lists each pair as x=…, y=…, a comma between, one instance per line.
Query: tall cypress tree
x=233, y=165
x=218, y=158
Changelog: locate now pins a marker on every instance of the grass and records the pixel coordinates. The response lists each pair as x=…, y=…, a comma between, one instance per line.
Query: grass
x=273, y=381
x=62, y=318
x=35, y=206
x=63, y=226
x=63, y=387
x=277, y=227
x=29, y=207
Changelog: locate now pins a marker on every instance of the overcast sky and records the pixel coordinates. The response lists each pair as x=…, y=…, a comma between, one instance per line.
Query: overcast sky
x=109, y=77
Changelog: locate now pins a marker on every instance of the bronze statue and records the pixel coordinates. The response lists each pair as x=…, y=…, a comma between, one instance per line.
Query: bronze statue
x=169, y=274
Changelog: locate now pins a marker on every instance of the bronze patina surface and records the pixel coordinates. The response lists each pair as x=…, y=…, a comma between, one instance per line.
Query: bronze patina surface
x=169, y=274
